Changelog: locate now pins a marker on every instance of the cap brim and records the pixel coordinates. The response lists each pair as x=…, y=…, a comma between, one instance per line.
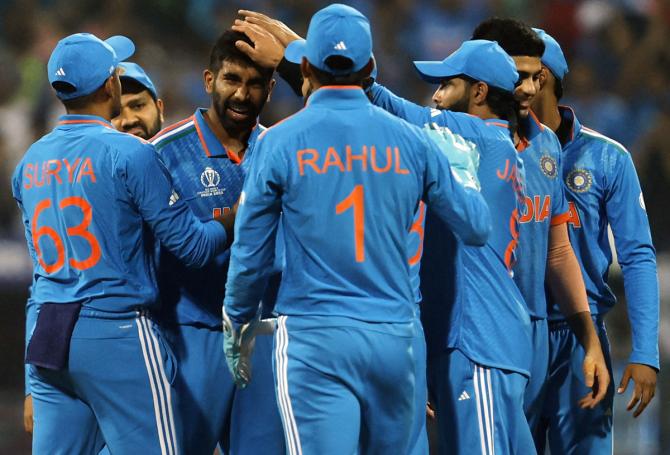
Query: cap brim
x=295, y=51
x=435, y=72
x=123, y=47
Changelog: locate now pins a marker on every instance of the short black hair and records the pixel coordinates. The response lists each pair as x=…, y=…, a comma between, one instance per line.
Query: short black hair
x=225, y=49
x=80, y=102
x=338, y=62
x=501, y=102
x=131, y=86
x=515, y=37
x=558, y=88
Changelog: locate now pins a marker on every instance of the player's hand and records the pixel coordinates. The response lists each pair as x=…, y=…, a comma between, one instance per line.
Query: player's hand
x=644, y=377
x=267, y=51
x=277, y=28
x=430, y=411
x=28, y=414
x=596, y=377
x=463, y=155
x=238, y=345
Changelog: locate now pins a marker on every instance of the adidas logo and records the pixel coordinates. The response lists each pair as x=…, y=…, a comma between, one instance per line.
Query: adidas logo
x=340, y=46
x=60, y=72
x=464, y=396
x=174, y=197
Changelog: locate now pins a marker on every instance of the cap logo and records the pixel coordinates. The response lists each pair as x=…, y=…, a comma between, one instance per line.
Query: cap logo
x=340, y=46
x=60, y=72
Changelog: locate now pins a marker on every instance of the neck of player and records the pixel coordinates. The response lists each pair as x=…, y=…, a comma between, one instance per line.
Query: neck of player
x=233, y=140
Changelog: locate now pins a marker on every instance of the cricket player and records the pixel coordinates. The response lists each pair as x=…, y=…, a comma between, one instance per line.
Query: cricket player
x=602, y=188
x=545, y=255
x=93, y=202
x=208, y=156
x=141, y=108
x=346, y=307
x=476, y=324
x=270, y=37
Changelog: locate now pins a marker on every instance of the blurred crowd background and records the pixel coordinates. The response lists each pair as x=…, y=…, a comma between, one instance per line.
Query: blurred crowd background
x=619, y=84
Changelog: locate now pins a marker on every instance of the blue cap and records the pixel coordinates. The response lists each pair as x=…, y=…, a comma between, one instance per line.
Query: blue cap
x=335, y=30
x=84, y=61
x=129, y=70
x=479, y=59
x=553, y=57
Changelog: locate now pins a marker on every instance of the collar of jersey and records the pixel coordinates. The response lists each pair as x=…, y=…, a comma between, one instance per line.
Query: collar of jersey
x=78, y=119
x=338, y=96
x=568, y=113
x=210, y=143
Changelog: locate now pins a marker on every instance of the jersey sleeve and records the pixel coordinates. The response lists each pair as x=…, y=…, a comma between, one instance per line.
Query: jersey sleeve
x=627, y=217
x=560, y=211
x=463, y=209
x=410, y=112
x=150, y=187
x=253, y=252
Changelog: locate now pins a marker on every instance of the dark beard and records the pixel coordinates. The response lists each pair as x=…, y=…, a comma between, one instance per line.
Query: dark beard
x=461, y=105
x=234, y=126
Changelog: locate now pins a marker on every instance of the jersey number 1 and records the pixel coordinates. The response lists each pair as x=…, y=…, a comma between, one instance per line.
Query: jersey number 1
x=355, y=200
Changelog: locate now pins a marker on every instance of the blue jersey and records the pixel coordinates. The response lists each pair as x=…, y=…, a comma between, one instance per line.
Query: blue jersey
x=349, y=178
x=209, y=178
x=92, y=199
x=603, y=189
x=545, y=206
x=472, y=303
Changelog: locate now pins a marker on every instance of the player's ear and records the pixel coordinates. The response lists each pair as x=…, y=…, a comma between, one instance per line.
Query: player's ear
x=305, y=69
x=479, y=92
x=208, y=78
x=110, y=86
x=160, y=107
x=271, y=85
x=543, y=77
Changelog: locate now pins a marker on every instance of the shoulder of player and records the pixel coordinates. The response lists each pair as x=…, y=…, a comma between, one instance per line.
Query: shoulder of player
x=284, y=126
x=594, y=139
x=174, y=133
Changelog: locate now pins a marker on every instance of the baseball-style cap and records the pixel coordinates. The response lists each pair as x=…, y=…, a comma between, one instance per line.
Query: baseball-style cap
x=479, y=59
x=83, y=62
x=553, y=57
x=335, y=30
x=129, y=70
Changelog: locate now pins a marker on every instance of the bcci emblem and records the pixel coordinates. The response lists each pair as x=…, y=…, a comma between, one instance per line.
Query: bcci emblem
x=579, y=180
x=548, y=166
x=210, y=178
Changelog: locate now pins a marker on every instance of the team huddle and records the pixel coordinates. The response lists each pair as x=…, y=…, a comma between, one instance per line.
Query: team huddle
x=334, y=283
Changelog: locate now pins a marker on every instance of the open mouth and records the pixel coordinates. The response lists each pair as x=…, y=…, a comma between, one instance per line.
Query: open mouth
x=238, y=112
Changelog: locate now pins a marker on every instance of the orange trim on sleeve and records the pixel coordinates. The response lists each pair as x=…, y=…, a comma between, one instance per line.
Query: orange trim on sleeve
x=560, y=219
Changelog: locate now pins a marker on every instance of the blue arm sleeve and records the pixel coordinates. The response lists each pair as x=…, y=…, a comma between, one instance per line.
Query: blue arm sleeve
x=253, y=252
x=31, y=319
x=408, y=111
x=463, y=209
x=150, y=186
x=636, y=254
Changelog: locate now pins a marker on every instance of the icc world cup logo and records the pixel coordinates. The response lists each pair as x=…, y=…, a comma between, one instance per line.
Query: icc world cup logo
x=210, y=178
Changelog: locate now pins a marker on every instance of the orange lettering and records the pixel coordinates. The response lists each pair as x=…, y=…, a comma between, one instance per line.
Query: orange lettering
x=312, y=161
x=362, y=158
x=542, y=214
x=574, y=216
x=504, y=174
x=373, y=160
x=36, y=171
x=529, y=212
x=86, y=169
x=397, y=163
x=332, y=159
x=29, y=176
x=71, y=169
x=49, y=172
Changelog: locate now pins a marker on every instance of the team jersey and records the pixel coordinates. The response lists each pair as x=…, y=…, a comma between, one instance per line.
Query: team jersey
x=209, y=178
x=348, y=178
x=415, y=249
x=603, y=189
x=472, y=303
x=92, y=200
x=545, y=206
